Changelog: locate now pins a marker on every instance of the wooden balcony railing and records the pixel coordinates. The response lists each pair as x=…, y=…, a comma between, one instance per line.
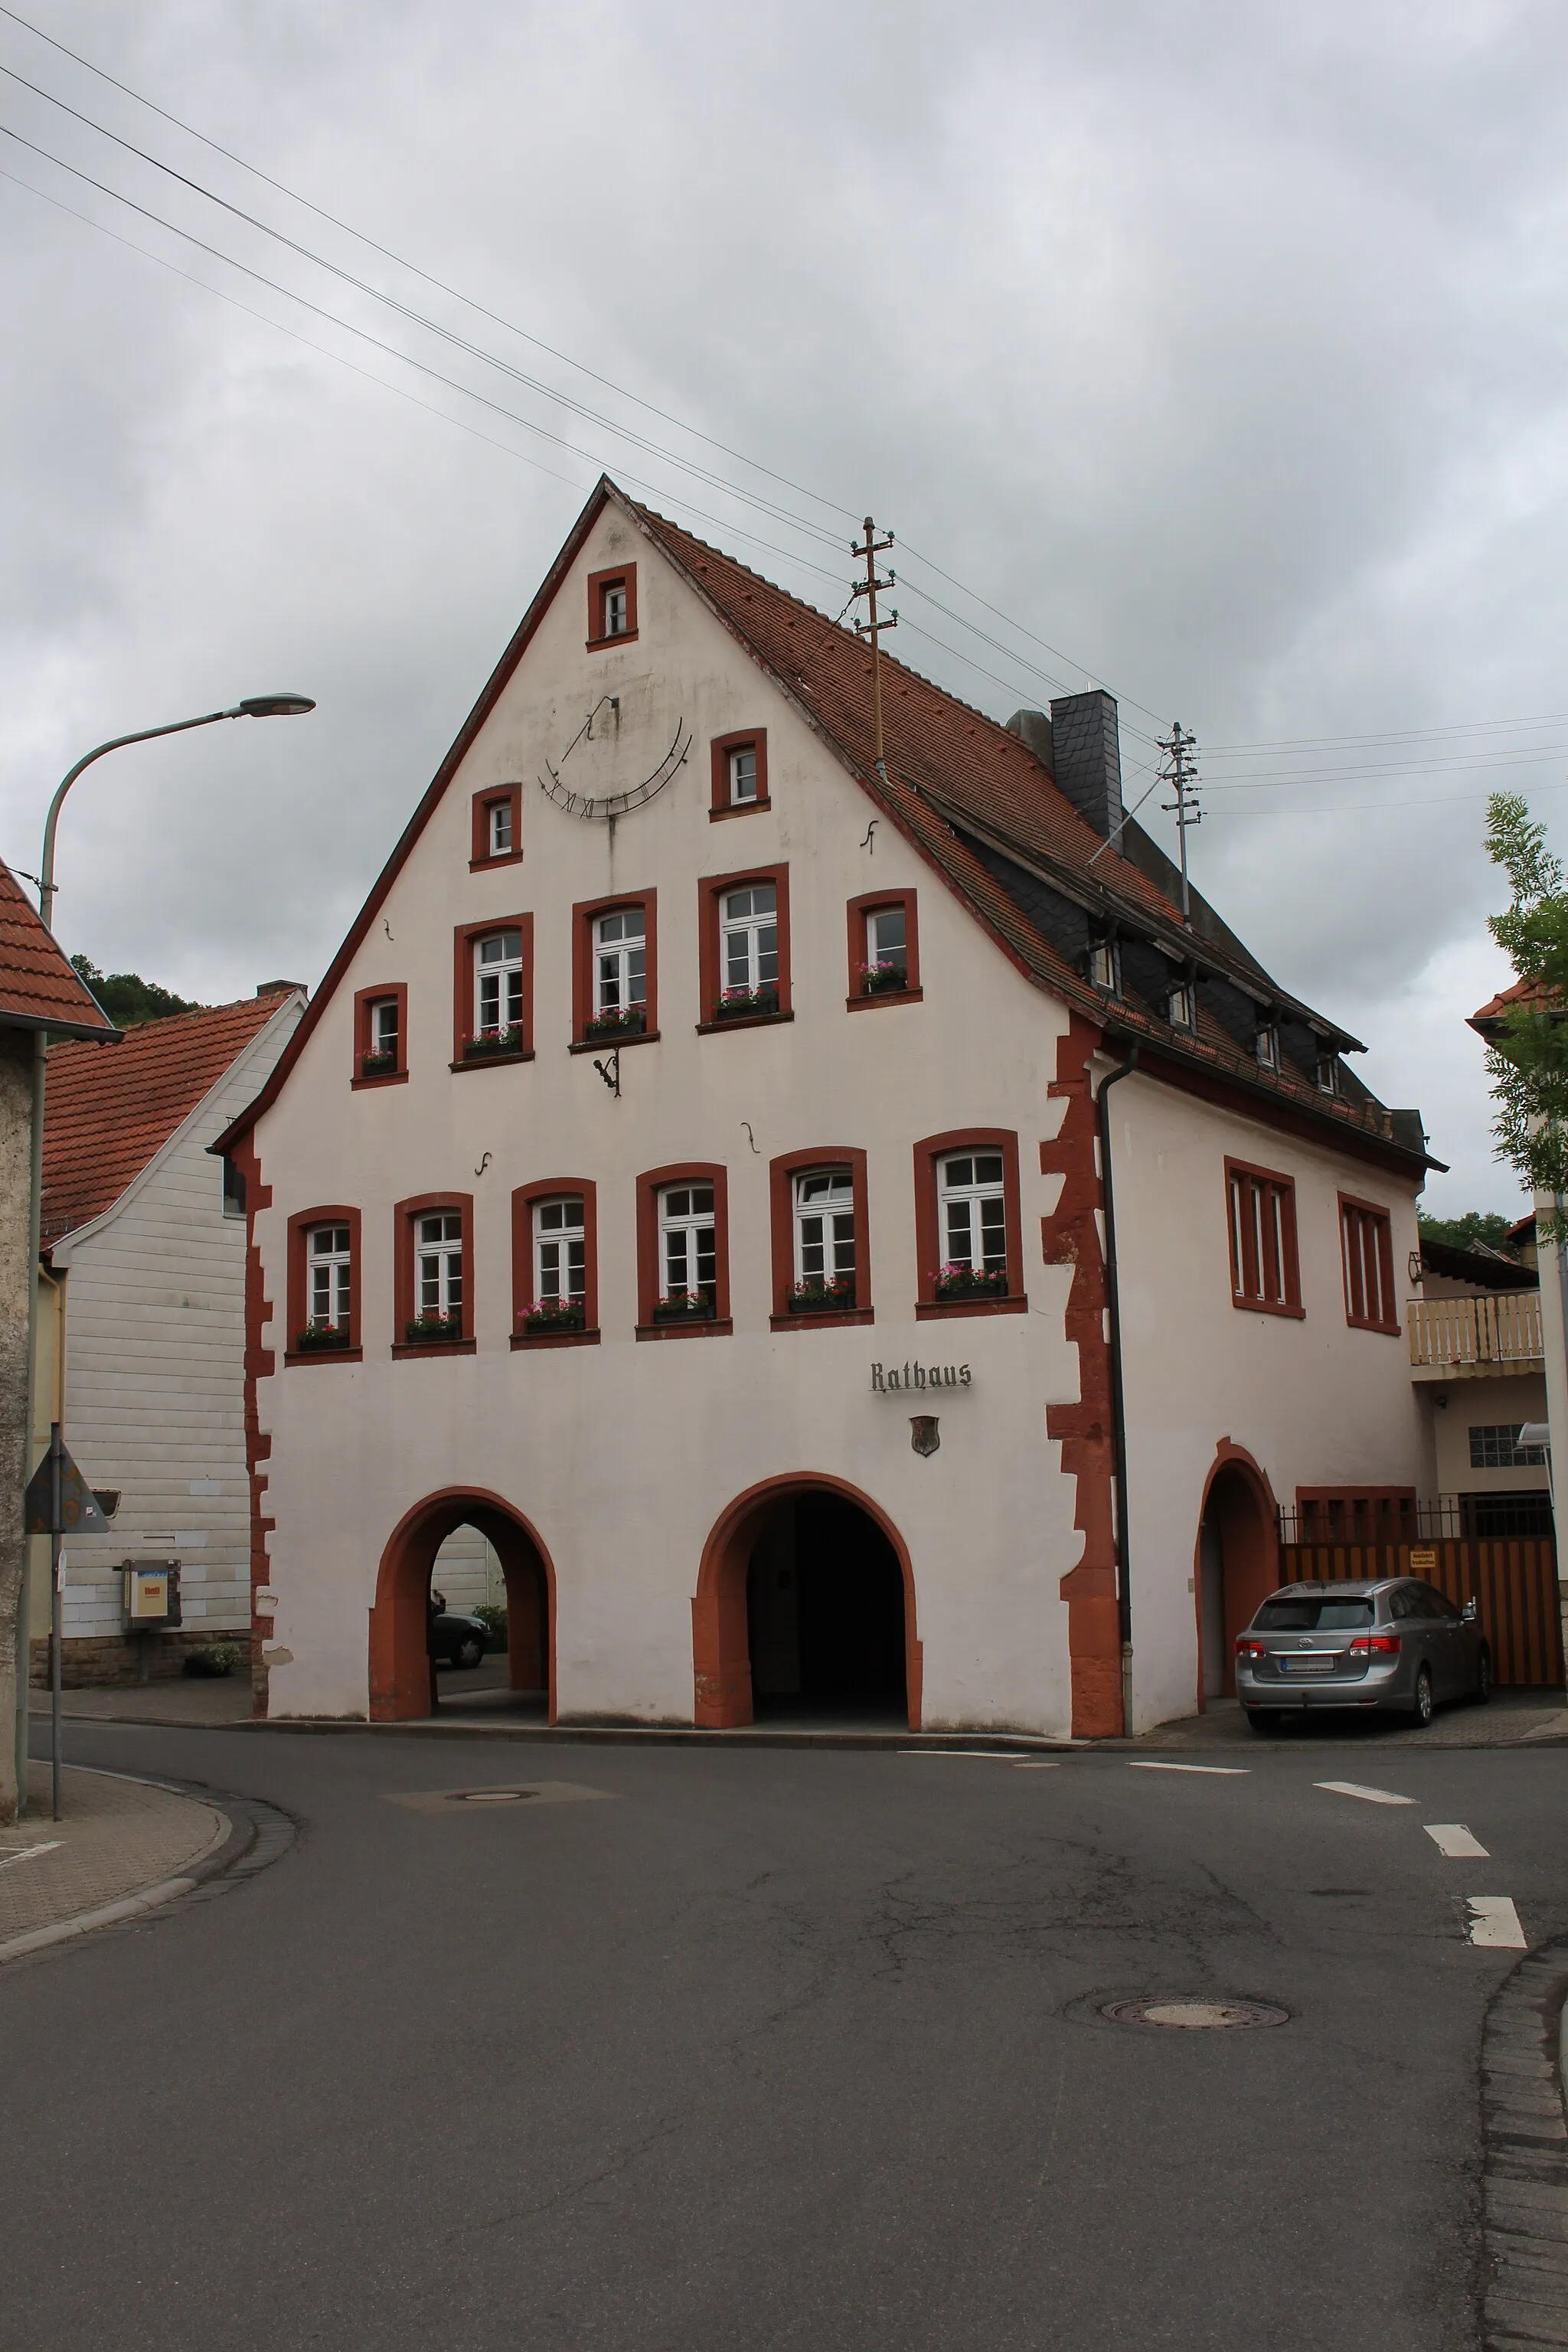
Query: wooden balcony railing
x=1458, y=1336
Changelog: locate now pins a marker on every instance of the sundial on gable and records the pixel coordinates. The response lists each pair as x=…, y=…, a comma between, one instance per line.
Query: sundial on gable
x=586, y=789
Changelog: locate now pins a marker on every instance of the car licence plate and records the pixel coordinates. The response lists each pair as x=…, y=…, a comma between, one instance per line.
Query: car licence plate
x=1323, y=1663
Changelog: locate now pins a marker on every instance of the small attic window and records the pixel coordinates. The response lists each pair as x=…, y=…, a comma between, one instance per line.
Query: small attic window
x=1266, y=1045
x=1328, y=1070
x=1105, y=966
x=233, y=1188
x=1182, y=1005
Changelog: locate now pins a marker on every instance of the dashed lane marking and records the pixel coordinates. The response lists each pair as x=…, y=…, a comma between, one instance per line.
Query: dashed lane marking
x=1455, y=1840
x=1494, y=1920
x=1355, y=1789
x=1142, y=1764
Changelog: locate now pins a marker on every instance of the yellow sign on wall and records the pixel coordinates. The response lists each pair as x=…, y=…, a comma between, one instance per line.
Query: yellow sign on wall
x=1422, y=1562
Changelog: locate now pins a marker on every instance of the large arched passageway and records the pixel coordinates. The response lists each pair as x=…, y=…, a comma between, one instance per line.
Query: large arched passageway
x=804, y=1608
x=402, y=1683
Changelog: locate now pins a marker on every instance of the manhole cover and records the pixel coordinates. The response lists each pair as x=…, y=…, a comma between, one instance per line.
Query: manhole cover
x=490, y=1796
x=1195, y=2016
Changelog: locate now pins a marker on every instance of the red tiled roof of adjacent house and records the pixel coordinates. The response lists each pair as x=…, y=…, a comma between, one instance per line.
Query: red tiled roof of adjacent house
x=37, y=987
x=1523, y=991
x=105, y=1115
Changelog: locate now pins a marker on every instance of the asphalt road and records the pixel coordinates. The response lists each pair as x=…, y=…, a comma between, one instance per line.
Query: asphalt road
x=763, y=2049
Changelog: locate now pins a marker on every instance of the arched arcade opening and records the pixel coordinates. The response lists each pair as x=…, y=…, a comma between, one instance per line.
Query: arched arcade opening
x=402, y=1678
x=1237, y=1565
x=804, y=1609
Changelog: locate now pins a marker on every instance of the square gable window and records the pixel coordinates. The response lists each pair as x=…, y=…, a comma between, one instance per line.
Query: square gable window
x=612, y=606
x=743, y=949
x=324, y=1286
x=739, y=780
x=615, y=970
x=497, y=826
x=380, y=1036
x=493, y=1012
x=968, y=1227
x=884, y=951
x=554, y=1275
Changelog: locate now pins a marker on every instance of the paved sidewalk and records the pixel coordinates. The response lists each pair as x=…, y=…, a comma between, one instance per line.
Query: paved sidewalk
x=119, y=1837
x=182, y=1699
x=1512, y=1718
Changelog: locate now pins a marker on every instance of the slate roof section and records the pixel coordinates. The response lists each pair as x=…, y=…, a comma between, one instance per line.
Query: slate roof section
x=38, y=990
x=105, y=1115
x=986, y=812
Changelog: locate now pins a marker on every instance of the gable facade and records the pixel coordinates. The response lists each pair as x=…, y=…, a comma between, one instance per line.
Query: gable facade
x=662, y=1482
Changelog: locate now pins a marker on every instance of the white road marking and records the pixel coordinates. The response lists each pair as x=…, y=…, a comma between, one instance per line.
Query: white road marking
x=1140, y=1764
x=28, y=1853
x=1494, y=1920
x=1454, y=1838
x=1036, y=1764
x=970, y=1755
x=1355, y=1789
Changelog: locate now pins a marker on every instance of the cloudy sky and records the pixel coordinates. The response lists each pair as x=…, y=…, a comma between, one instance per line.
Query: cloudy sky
x=1217, y=346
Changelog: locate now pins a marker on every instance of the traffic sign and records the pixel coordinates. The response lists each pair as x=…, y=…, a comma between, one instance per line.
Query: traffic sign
x=80, y=1513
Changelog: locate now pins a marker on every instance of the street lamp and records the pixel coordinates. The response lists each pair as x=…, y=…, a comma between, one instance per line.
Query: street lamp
x=256, y=706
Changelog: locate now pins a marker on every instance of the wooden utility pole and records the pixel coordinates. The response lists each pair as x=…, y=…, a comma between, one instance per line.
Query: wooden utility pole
x=874, y=625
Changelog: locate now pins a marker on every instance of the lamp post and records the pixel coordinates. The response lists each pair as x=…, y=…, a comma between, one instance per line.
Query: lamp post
x=256, y=706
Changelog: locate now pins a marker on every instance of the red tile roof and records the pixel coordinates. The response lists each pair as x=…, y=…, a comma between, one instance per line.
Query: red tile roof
x=38, y=990
x=105, y=1115
x=1523, y=991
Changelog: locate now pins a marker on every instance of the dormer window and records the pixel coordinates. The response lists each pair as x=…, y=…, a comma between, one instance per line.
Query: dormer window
x=1182, y=1005
x=1105, y=966
x=1266, y=1045
x=1328, y=1071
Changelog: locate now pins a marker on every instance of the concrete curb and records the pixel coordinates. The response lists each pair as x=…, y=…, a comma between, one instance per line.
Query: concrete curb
x=1524, y=2132
x=244, y=1825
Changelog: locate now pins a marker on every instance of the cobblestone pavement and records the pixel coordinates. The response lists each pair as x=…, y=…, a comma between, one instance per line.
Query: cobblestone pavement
x=118, y=1836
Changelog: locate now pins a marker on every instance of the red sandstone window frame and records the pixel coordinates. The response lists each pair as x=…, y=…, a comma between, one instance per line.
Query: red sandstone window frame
x=296, y=1282
x=927, y=1154
x=393, y=991
x=463, y=938
x=710, y=891
x=405, y=1214
x=855, y=913
x=615, y=575
x=650, y=1185
x=782, y=1173
x=584, y=915
x=554, y=1188
x=1242, y=1239
x=493, y=796
x=745, y=738
x=1368, y=1218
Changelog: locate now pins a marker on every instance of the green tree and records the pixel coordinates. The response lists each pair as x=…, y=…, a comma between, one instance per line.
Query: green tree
x=1486, y=1225
x=127, y=998
x=1527, y=1060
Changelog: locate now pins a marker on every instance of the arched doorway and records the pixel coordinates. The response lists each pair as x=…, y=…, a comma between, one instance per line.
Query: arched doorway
x=1238, y=1564
x=401, y=1682
x=805, y=1606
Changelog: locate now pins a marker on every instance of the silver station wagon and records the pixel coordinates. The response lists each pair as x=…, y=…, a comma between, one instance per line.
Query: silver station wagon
x=1398, y=1645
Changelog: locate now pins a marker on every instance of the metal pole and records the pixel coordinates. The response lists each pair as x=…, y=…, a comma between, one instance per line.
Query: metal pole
x=55, y=1452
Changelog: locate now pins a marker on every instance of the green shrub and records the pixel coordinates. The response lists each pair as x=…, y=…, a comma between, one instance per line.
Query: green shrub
x=493, y=1620
x=216, y=1659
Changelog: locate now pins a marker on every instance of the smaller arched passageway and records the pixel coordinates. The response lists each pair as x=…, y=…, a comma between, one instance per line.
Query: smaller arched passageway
x=804, y=1609
x=1237, y=1563
x=402, y=1672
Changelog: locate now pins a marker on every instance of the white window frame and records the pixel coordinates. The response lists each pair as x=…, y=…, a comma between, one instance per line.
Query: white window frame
x=560, y=1249
x=615, y=608
x=972, y=1207
x=439, y=1263
x=329, y=1277
x=1182, y=1006
x=1328, y=1071
x=825, y=1225
x=499, y=841
x=748, y=939
x=1105, y=966
x=735, y=765
x=877, y=956
x=1266, y=1045
x=504, y=972
x=383, y=1027
x=681, y=1227
x=618, y=987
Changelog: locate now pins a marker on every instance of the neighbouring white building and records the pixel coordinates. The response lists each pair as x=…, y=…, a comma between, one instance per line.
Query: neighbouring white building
x=691, y=1178
x=143, y=1243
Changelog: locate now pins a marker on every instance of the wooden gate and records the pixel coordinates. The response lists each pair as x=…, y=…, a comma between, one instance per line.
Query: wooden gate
x=1514, y=1582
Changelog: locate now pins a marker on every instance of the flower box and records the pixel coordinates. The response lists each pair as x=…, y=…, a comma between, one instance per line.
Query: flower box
x=492, y=1043
x=835, y=1298
x=686, y=1306
x=884, y=979
x=969, y=1282
x=421, y=1330
x=747, y=1004
x=314, y=1338
x=553, y=1315
x=628, y=1021
x=378, y=1066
